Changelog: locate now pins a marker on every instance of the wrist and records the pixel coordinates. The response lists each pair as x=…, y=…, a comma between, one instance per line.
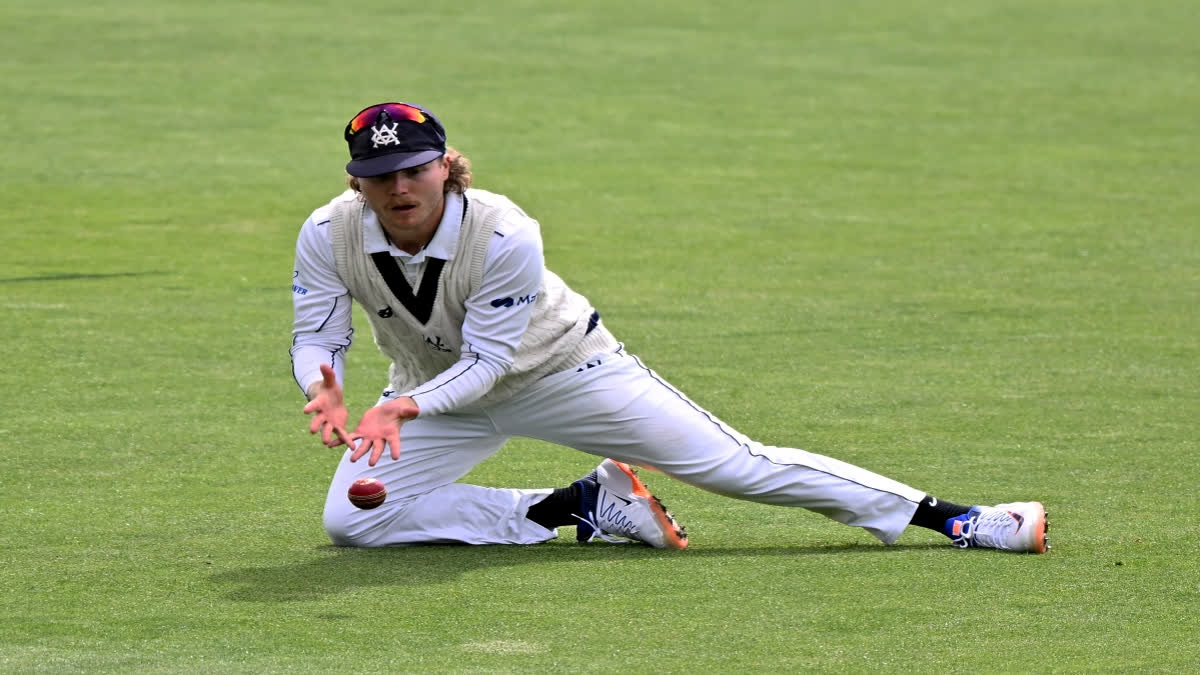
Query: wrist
x=403, y=406
x=315, y=389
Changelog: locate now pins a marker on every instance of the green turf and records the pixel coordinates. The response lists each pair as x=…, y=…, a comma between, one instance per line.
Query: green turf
x=957, y=243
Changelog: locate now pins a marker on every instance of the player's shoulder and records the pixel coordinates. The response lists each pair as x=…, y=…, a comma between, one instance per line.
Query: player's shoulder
x=489, y=199
x=322, y=214
x=513, y=222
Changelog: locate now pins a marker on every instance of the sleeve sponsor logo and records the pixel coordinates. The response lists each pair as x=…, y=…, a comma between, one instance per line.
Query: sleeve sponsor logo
x=509, y=302
x=297, y=288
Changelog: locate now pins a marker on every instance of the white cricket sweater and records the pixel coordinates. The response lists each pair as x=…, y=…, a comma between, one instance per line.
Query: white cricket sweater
x=422, y=332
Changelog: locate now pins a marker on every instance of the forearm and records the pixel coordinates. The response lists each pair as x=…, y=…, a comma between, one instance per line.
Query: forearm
x=306, y=366
x=458, y=386
x=321, y=328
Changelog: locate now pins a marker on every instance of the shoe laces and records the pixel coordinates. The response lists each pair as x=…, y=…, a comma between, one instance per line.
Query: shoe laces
x=989, y=529
x=590, y=520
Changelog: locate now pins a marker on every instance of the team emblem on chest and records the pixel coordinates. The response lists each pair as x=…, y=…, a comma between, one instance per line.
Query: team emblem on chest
x=435, y=343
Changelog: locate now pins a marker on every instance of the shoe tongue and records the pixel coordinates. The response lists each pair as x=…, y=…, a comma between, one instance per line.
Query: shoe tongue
x=589, y=490
x=949, y=529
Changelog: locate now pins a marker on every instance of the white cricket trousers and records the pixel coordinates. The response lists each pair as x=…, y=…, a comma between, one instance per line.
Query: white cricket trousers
x=609, y=406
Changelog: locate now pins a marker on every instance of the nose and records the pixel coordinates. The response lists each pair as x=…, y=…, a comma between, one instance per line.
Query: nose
x=399, y=183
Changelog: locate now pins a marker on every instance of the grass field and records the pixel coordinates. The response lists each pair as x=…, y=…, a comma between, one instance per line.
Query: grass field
x=956, y=243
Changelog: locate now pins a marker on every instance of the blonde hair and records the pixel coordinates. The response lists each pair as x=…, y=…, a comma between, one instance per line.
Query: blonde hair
x=458, y=181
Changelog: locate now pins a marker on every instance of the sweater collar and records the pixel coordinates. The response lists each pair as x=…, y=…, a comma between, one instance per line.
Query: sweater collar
x=442, y=246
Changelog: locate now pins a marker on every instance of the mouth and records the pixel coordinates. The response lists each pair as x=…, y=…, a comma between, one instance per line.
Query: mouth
x=403, y=208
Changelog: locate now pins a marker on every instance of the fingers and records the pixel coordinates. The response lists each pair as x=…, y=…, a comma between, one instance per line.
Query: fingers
x=320, y=423
x=373, y=448
x=334, y=436
x=391, y=442
x=327, y=432
x=328, y=377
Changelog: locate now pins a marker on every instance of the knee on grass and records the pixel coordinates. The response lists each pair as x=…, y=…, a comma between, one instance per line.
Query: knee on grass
x=354, y=529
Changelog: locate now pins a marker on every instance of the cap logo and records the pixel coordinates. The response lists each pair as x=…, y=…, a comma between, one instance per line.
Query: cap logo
x=389, y=137
x=382, y=134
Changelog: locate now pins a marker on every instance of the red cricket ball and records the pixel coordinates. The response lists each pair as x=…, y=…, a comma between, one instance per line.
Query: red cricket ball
x=367, y=493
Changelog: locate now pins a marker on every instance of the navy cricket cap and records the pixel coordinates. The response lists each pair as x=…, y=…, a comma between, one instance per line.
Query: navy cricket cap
x=388, y=137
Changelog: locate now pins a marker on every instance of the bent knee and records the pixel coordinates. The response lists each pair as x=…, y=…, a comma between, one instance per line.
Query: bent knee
x=350, y=528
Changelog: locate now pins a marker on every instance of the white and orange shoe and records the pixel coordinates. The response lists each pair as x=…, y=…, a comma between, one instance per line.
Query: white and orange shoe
x=617, y=506
x=1019, y=526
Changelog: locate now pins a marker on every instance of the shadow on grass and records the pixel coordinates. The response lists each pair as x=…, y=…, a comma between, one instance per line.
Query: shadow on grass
x=77, y=276
x=333, y=570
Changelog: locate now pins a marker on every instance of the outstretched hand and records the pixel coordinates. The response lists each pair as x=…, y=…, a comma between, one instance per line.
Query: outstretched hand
x=379, y=428
x=328, y=408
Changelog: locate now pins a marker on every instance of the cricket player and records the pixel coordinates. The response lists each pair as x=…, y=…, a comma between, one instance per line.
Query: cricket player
x=486, y=343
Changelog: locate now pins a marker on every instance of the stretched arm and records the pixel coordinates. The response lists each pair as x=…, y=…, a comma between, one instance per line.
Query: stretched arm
x=321, y=330
x=321, y=327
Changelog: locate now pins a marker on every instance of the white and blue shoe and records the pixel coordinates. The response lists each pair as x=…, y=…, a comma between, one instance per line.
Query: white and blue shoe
x=1019, y=526
x=618, y=507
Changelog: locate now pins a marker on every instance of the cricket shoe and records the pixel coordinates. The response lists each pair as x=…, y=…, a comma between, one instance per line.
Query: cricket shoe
x=617, y=506
x=1019, y=526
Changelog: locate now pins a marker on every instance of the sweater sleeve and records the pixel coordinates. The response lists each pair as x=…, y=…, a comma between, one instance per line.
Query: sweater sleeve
x=321, y=327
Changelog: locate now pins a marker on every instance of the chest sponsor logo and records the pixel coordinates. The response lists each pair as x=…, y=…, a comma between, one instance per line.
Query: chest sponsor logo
x=385, y=312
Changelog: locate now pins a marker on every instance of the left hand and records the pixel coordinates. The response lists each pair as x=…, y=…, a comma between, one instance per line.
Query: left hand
x=379, y=428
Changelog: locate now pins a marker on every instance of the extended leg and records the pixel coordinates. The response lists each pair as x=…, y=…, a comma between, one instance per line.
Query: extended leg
x=621, y=409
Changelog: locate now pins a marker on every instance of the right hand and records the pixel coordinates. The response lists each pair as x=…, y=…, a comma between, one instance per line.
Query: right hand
x=379, y=429
x=328, y=407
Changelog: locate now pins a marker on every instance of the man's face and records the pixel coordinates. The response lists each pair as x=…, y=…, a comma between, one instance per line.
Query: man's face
x=409, y=202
